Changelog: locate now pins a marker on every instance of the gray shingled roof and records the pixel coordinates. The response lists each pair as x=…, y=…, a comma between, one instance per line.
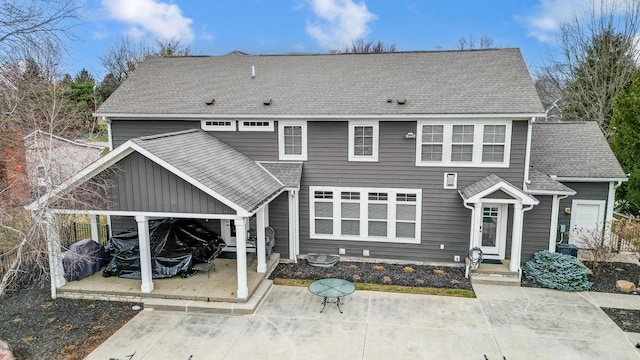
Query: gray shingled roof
x=542, y=182
x=480, y=186
x=573, y=150
x=438, y=82
x=221, y=168
x=287, y=172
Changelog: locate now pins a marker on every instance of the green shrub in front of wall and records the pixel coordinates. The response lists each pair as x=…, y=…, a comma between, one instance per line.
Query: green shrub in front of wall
x=557, y=271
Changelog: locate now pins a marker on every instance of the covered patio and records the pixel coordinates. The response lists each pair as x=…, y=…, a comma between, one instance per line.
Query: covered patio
x=170, y=176
x=218, y=286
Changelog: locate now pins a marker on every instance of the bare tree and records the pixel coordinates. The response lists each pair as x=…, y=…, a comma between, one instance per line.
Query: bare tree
x=29, y=28
x=362, y=46
x=469, y=43
x=598, y=48
x=597, y=247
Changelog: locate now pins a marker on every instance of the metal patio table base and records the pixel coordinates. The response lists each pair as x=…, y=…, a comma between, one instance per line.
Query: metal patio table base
x=332, y=289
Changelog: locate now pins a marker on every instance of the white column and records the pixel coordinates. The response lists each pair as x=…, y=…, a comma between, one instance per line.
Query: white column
x=553, y=230
x=516, y=239
x=95, y=230
x=56, y=271
x=476, y=231
x=294, y=222
x=241, y=255
x=144, y=243
x=609, y=214
x=266, y=215
x=260, y=246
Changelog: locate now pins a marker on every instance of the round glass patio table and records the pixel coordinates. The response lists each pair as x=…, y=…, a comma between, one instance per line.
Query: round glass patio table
x=332, y=288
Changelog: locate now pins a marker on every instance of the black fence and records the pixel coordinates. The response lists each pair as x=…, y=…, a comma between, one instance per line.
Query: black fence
x=80, y=231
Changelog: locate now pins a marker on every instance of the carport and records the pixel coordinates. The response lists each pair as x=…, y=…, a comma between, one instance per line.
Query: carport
x=188, y=174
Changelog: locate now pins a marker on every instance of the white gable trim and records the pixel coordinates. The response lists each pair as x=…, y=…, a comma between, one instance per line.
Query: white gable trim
x=507, y=188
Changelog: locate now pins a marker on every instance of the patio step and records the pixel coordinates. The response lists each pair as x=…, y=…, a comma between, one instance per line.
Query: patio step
x=495, y=279
x=217, y=307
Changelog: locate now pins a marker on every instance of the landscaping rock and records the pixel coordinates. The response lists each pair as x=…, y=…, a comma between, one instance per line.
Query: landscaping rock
x=625, y=286
x=5, y=351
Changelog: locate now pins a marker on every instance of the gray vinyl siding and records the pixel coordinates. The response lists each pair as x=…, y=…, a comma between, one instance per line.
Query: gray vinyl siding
x=122, y=223
x=258, y=145
x=535, y=231
x=279, y=221
x=145, y=186
x=444, y=218
x=584, y=191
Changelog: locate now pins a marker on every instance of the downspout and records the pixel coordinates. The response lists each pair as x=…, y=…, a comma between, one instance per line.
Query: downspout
x=527, y=155
x=468, y=263
x=522, y=228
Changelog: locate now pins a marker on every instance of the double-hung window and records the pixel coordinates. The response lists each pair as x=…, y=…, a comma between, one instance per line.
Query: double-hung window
x=363, y=141
x=365, y=214
x=292, y=140
x=482, y=143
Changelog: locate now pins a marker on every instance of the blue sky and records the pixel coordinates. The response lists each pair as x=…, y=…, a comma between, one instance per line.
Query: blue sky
x=216, y=27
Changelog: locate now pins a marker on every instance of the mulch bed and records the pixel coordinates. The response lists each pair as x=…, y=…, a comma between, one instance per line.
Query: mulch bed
x=379, y=273
x=37, y=327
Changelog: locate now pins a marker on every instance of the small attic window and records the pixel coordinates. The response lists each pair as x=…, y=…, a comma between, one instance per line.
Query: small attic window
x=255, y=125
x=218, y=125
x=210, y=101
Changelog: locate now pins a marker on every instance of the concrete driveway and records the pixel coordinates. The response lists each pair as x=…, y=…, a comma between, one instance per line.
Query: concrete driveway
x=517, y=323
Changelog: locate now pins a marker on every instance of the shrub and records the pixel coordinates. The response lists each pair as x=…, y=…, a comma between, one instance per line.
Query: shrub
x=557, y=271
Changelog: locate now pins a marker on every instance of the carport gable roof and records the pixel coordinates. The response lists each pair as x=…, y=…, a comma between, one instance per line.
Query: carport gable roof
x=200, y=159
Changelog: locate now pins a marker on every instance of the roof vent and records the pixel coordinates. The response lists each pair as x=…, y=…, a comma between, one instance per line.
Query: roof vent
x=253, y=71
x=389, y=100
x=210, y=101
x=267, y=102
x=402, y=101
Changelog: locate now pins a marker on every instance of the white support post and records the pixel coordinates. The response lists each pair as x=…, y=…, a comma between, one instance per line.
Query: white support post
x=516, y=238
x=241, y=258
x=294, y=222
x=260, y=246
x=95, y=230
x=144, y=244
x=54, y=249
x=477, y=222
x=266, y=215
x=553, y=230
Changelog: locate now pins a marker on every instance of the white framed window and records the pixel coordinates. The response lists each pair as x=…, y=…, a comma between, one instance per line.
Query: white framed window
x=255, y=125
x=365, y=214
x=292, y=140
x=363, y=141
x=463, y=143
x=218, y=125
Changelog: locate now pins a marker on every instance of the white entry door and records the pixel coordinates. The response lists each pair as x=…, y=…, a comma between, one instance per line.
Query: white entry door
x=494, y=230
x=587, y=216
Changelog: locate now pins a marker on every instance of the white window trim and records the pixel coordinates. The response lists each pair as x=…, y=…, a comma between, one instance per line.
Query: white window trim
x=477, y=143
x=376, y=132
x=242, y=127
x=281, y=154
x=230, y=127
x=455, y=181
x=364, y=219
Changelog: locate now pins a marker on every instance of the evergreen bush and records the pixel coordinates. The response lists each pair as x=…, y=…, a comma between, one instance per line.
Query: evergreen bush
x=557, y=271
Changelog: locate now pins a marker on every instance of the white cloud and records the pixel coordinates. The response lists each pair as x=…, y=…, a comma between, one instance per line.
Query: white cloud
x=160, y=20
x=338, y=22
x=205, y=34
x=544, y=23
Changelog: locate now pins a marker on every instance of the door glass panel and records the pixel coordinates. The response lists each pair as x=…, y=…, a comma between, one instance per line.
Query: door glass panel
x=489, y=226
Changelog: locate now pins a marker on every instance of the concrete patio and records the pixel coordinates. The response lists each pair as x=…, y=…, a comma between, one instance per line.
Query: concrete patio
x=518, y=323
x=217, y=286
